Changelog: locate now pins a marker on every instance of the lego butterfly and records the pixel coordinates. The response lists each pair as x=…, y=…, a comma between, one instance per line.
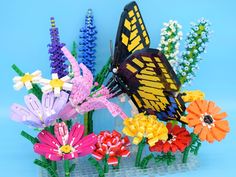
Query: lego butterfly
x=144, y=74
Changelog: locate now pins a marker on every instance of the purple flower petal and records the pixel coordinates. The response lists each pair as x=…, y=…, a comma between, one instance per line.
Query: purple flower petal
x=21, y=114
x=34, y=105
x=60, y=102
x=47, y=103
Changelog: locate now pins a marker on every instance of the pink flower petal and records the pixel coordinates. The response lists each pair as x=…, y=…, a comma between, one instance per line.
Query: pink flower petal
x=71, y=155
x=68, y=112
x=53, y=157
x=86, y=141
x=83, y=151
x=87, y=75
x=61, y=132
x=43, y=149
x=75, y=134
x=47, y=138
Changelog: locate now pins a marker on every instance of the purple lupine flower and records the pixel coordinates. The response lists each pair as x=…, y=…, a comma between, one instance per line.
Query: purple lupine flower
x=56, y=55
x=39, y=114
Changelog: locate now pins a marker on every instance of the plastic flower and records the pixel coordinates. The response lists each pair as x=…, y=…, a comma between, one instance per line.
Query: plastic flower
x=190, y=96
x=207, y=121
x=65, y=145
x=56, y=85
x=178, y=139
x=58, y=60
x=195, y=45
x=39, y=114
x=113, y=145
x=26, y=80
x=145, y=126
x=170, y=37
x=83, y=98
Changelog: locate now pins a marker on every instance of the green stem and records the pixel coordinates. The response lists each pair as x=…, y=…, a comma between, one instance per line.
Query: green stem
x=185, y=154
x=86, y=126
x=97, y=166
x=17, y=70
x=48, y=167
x=106, y=166
x=32, y=139
x=67, y=168
x=140, y=151
x=146, y=160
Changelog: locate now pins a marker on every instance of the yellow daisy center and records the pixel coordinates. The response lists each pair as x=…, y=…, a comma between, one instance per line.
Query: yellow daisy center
x=66, y=149
x=26, y=78
x=56, y=83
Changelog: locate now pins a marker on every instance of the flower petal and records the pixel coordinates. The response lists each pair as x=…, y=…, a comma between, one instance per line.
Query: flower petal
x=61, y=132
x=47, y=104
x=71, y=155
x=68, y=112
x=166, y=147
x=34, y=105
x=218, y=134
x=47, y=138
x=198, y=129
x=210, y=137
x=60, y=102
x=21, y=114
x=220, y=116
x=194, y=122
x=223, y=125
x=202, y=105
x=53, y=157
x=112, y=161
x=86, y=141
x=194, y=108
x=75, y=134
x=43, y=149
x=203, y=133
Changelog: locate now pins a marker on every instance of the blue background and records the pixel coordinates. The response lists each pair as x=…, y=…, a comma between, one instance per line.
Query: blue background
x=24, y=36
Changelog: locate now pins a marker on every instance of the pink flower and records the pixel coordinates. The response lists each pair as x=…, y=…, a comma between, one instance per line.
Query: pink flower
x=65, y=145
x=113, y=145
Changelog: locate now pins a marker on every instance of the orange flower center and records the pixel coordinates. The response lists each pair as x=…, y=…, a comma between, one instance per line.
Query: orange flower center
x=208, y=119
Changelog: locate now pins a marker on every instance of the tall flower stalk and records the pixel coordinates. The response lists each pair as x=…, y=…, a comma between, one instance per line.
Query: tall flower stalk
x=195, y=45
x=87, y=42
x=171, y=36
x=57, y=57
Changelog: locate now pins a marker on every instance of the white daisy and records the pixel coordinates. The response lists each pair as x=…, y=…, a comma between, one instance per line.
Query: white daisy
x=26, y=80
x=56, y=84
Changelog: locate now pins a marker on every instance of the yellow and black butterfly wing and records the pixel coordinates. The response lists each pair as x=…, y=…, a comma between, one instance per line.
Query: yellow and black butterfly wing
x=131, y=34
x=152, y=84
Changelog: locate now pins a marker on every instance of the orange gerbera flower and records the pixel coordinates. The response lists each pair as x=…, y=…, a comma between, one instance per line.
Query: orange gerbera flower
x=207, y=121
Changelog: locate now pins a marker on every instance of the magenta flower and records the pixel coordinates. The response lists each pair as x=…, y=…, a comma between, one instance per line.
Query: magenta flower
x=39, y=114
x=65, y=145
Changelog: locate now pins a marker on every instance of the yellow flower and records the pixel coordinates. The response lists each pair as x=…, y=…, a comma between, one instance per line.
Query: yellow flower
x=145, y=126
x=190, y=96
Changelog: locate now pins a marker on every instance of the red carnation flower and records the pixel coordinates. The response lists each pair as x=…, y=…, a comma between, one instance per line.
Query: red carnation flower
x=113, y=145
x=178, y=139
